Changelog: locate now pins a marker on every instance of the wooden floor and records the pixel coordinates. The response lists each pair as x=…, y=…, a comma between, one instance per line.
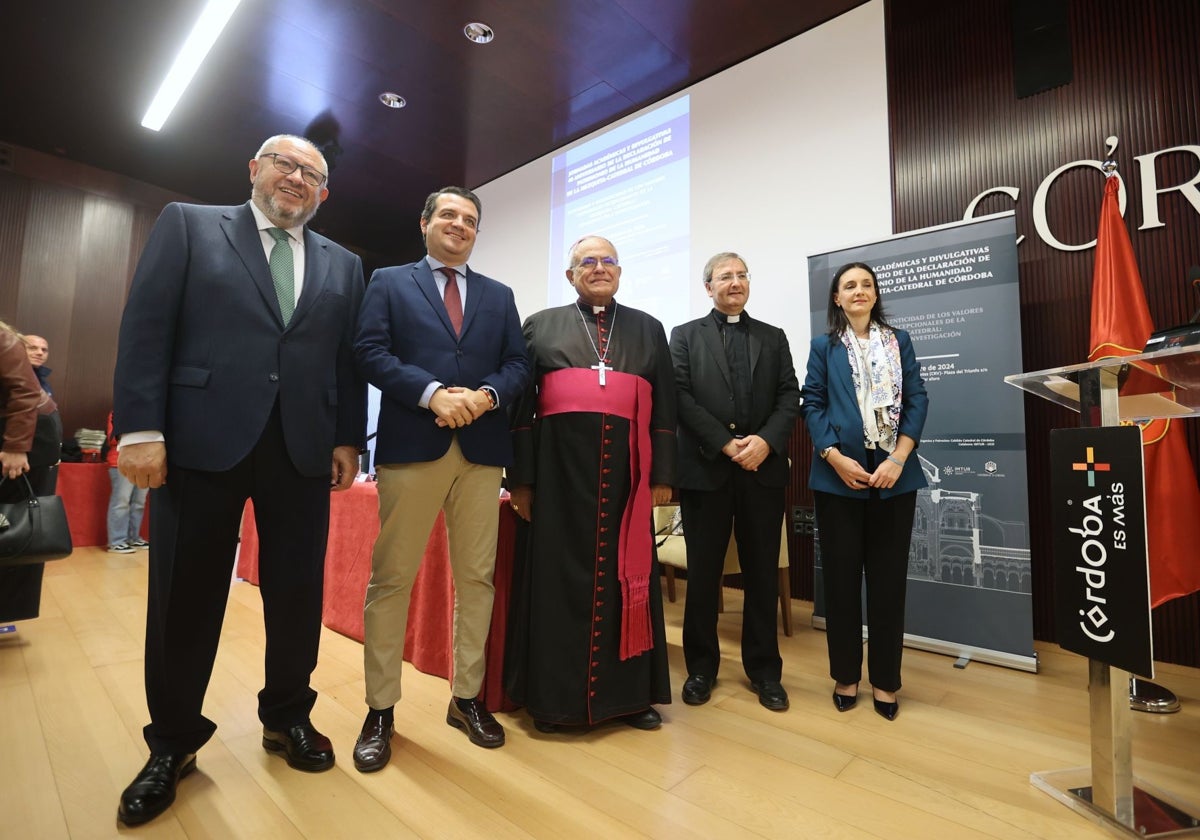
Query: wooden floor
x=955, y=764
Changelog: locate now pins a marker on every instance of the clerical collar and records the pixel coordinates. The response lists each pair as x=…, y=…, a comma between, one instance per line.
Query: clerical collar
x=722, y=318
x=596, y=310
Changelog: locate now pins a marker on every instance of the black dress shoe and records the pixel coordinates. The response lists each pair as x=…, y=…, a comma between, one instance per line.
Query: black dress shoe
x=153, y=789
x=844, y=702
x=886, y=709
x=647, y=720
x=545, y=726
x=471, y=717
x=303, y=746
x=697, y=690
x=771, y=695
x=373, y=749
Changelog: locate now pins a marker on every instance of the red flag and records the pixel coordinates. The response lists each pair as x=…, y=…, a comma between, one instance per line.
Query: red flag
x=1120, y=327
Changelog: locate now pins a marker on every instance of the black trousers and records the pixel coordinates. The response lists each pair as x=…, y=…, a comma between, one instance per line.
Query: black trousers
x=865, y=537
x=754, y=514
x=194, y=521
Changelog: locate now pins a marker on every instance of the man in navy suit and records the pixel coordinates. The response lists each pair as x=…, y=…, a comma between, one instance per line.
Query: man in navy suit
x=444, y=345
x=235, y=380
x=738, y=403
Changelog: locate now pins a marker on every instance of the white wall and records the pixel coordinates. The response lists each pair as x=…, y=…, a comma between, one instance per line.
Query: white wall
x=789, y=157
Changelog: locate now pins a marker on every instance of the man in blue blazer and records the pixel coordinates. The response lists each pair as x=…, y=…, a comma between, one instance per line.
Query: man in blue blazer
x=235, y=380
x=444, y=345
x=738, y=403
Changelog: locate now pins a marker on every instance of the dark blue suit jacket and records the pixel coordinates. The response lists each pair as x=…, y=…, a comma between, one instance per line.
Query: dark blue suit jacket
x=204, y=355
x=405, y=341
x=831, y=412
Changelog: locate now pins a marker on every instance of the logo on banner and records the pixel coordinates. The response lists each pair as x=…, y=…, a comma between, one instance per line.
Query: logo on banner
x=1091, y=467
x=1102, y=590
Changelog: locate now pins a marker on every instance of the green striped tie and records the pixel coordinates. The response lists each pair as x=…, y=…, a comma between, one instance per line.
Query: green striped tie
x=283, y=273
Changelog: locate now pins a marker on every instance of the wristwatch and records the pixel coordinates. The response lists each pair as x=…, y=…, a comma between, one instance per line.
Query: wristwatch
x=825, y=452
x=492, y=396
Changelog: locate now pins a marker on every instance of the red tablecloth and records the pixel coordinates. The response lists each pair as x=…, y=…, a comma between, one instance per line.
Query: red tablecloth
x=353, y=527
x=85, y=489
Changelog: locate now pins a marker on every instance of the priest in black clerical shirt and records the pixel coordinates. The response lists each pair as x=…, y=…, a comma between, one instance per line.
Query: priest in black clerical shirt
x=738, y=402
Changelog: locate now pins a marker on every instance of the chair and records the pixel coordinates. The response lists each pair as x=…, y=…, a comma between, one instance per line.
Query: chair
x=672, y=554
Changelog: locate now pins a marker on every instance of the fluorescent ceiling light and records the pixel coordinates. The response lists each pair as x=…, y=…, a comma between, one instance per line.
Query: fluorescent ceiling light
x=204, y=34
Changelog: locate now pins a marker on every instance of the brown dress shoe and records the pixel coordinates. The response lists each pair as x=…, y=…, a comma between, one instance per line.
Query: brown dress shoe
x=373, y=749
x=302, y=745
x=153, y=789
x=471, y=717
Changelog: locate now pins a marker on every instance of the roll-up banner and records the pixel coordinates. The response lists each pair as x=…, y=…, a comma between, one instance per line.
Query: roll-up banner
x=953, y=288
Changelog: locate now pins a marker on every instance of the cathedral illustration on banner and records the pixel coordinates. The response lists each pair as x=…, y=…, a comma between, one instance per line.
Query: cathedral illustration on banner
x=954, y=542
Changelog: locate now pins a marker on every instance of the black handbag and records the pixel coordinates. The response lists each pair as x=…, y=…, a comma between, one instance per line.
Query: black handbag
x=34, y=529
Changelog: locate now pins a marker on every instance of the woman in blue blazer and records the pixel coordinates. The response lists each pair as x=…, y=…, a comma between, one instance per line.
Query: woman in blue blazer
x=865, y=406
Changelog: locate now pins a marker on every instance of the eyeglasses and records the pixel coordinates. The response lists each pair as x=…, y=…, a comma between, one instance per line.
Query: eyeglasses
x=287, y=166
x=590, y=263
x=744, y=276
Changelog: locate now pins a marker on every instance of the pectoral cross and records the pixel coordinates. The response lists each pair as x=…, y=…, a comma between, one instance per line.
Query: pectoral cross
x=600, y=369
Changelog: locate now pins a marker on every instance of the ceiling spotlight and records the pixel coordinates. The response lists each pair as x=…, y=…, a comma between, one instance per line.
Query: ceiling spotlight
x=479, y=33
x=392, y=100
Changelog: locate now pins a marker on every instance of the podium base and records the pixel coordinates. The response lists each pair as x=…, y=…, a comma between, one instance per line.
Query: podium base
x=1145, y=696
x=1155, y=813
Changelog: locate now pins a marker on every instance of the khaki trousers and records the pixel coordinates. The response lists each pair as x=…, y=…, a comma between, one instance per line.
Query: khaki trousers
x=410, y=496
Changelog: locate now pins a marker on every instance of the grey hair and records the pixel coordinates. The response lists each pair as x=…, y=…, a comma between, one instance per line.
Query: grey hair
x=572, y=262
x=717, y=259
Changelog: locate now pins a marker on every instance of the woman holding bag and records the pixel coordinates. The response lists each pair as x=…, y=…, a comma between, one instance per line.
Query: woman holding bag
x=25, y=416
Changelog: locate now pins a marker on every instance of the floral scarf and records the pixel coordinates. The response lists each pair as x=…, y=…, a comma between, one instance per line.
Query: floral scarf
x=884, y=396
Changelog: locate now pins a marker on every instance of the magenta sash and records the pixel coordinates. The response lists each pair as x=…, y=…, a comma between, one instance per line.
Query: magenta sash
x=628, y=396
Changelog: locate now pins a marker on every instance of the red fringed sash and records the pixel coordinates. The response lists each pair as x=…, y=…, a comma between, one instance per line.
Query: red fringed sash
x=625, y=395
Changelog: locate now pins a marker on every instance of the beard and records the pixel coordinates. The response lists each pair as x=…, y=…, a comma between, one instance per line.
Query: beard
x=294, y=217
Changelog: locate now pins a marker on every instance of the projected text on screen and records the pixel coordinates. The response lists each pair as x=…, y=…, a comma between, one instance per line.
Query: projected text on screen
x=629, y=185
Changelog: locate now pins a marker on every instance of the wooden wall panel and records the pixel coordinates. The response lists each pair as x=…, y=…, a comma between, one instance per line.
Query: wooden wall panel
x=14, y=207
x=49, y=263
x=99, y=300
x=958, y=129
x=70, y=238
x=800, y=547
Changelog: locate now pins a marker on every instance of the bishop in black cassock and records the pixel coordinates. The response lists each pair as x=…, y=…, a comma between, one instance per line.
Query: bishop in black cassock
x=595, y=449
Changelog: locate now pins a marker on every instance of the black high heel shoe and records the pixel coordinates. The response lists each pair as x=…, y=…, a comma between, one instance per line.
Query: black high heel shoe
x=845, y=702
x=885, y=708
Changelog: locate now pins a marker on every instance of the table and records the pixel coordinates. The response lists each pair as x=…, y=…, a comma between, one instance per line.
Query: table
x=85, y=489
x=428, y=642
